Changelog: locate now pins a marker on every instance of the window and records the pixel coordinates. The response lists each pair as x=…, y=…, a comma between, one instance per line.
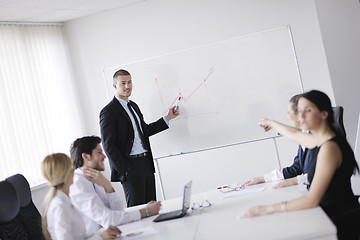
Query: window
x=39, y=112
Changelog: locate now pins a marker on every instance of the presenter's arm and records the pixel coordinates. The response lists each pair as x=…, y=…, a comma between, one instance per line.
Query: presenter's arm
x=108, y=131
x=291, y=133
x=160, y=124
x=172, y=113
x=329, y=159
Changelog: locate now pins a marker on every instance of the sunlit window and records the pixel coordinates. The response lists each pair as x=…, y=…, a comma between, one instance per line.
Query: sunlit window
x=39, y=112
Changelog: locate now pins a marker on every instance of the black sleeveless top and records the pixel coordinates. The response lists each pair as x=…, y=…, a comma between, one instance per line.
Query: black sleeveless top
x=339, y=197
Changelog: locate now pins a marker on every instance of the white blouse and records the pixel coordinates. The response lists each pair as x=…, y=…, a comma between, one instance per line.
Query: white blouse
x=64, y=221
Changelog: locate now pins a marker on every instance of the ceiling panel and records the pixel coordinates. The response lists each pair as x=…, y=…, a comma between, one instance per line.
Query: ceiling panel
x=56, y=10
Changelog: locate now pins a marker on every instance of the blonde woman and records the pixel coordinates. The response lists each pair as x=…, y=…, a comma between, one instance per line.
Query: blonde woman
x=60, y=218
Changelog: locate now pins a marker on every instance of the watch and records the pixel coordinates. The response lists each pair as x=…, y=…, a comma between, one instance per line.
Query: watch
x=148, y=212
x=283, y=206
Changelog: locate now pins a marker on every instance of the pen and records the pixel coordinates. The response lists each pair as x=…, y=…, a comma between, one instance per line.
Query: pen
x=177, y=103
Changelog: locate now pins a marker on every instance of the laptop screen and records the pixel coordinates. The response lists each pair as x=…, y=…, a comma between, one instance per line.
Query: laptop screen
x=187, y=195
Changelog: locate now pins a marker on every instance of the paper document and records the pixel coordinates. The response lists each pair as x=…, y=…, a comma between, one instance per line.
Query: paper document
x=137, y=233
x=243, y=191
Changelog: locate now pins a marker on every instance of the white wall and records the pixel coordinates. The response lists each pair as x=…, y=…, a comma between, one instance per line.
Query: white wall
x=157, y=27
x=38, y=194
x=340, y=27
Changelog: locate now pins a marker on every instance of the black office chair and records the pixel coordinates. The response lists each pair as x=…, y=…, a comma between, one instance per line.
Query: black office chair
x=11, y=227
x=29, y=215
x=338, y=121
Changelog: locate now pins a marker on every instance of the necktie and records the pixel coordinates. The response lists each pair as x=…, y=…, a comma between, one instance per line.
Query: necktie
x=137, y=126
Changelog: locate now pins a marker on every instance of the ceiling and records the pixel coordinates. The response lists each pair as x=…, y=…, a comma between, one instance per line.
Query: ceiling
x=55, y=11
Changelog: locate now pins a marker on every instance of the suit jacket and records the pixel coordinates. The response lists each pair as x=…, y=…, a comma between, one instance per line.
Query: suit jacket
x=117, y=135
x=301, y=162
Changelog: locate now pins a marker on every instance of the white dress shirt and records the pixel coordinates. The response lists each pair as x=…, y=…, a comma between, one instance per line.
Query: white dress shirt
x=64, y=221
x=137, y=147
x=277, y=175
x=98, y=208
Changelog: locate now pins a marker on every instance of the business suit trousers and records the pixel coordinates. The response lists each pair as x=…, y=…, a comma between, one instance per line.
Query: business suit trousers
x=139, y=186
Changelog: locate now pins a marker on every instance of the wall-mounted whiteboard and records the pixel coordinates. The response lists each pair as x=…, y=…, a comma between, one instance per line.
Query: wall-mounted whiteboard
x=216, y=167
x=225, y=87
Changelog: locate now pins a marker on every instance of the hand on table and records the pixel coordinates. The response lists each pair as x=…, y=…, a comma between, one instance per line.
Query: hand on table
x=110, y=233
x=286, y=183
x=258, y=211
x=253, y=181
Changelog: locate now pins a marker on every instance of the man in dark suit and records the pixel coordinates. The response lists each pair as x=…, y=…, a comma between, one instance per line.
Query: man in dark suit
x=126, y=142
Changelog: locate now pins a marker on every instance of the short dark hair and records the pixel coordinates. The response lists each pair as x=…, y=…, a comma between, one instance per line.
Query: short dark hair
x=121, y=72
x=83, y=145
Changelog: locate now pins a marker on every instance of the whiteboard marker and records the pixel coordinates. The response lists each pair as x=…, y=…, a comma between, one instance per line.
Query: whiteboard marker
x=177, y=103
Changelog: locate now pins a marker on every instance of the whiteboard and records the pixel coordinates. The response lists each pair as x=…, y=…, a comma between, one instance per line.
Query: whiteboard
x=216, y=167
x=225, y=88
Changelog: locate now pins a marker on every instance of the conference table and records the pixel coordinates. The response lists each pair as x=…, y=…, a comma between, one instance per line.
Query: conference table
x=223, y=219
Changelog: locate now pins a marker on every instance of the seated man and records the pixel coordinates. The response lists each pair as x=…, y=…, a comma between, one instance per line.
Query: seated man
x=295, y=174
x=93, y=195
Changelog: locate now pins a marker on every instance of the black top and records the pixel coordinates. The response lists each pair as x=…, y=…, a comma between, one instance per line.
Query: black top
x=339, y=197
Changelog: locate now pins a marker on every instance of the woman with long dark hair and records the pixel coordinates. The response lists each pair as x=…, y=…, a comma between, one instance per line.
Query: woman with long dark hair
x=329, y=174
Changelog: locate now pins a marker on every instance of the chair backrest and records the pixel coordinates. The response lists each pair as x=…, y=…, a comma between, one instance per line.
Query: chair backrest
x=11, y=226
x=338, y=120
x=29, y=215
x=9, y=207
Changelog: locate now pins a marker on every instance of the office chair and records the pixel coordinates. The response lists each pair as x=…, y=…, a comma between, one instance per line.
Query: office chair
x=29, y=215
x=338, y=120
x=11, y=227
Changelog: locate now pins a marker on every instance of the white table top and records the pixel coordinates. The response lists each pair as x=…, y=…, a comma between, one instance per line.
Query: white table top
x=220, y=220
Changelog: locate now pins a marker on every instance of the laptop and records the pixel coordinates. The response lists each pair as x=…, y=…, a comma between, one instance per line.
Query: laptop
x=178, y=213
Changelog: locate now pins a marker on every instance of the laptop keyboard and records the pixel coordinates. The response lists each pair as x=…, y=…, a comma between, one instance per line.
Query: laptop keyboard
x=169, y=215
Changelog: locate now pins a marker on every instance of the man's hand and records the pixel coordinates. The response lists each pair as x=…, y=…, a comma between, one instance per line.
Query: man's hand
x=253, y=181
x=96, y=176
x=110, y=233
x=172, y=113
x=154, y=208
x=286, y=183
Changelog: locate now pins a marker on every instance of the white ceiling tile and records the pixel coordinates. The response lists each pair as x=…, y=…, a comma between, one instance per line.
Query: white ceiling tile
x=6, y=2
x=56, y=10
x=64, y=4
x=106, y=4
x=61, y=16
x=23, y=15
x=9, y=11
x=29, y=3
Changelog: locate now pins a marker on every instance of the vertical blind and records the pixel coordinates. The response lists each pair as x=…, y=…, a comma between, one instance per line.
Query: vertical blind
x=39, y=112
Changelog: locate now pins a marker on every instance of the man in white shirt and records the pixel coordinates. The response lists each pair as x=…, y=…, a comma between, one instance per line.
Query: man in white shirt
x=93, y=195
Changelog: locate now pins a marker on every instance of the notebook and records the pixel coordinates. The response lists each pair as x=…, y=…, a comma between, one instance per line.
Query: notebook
x=178, y=213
